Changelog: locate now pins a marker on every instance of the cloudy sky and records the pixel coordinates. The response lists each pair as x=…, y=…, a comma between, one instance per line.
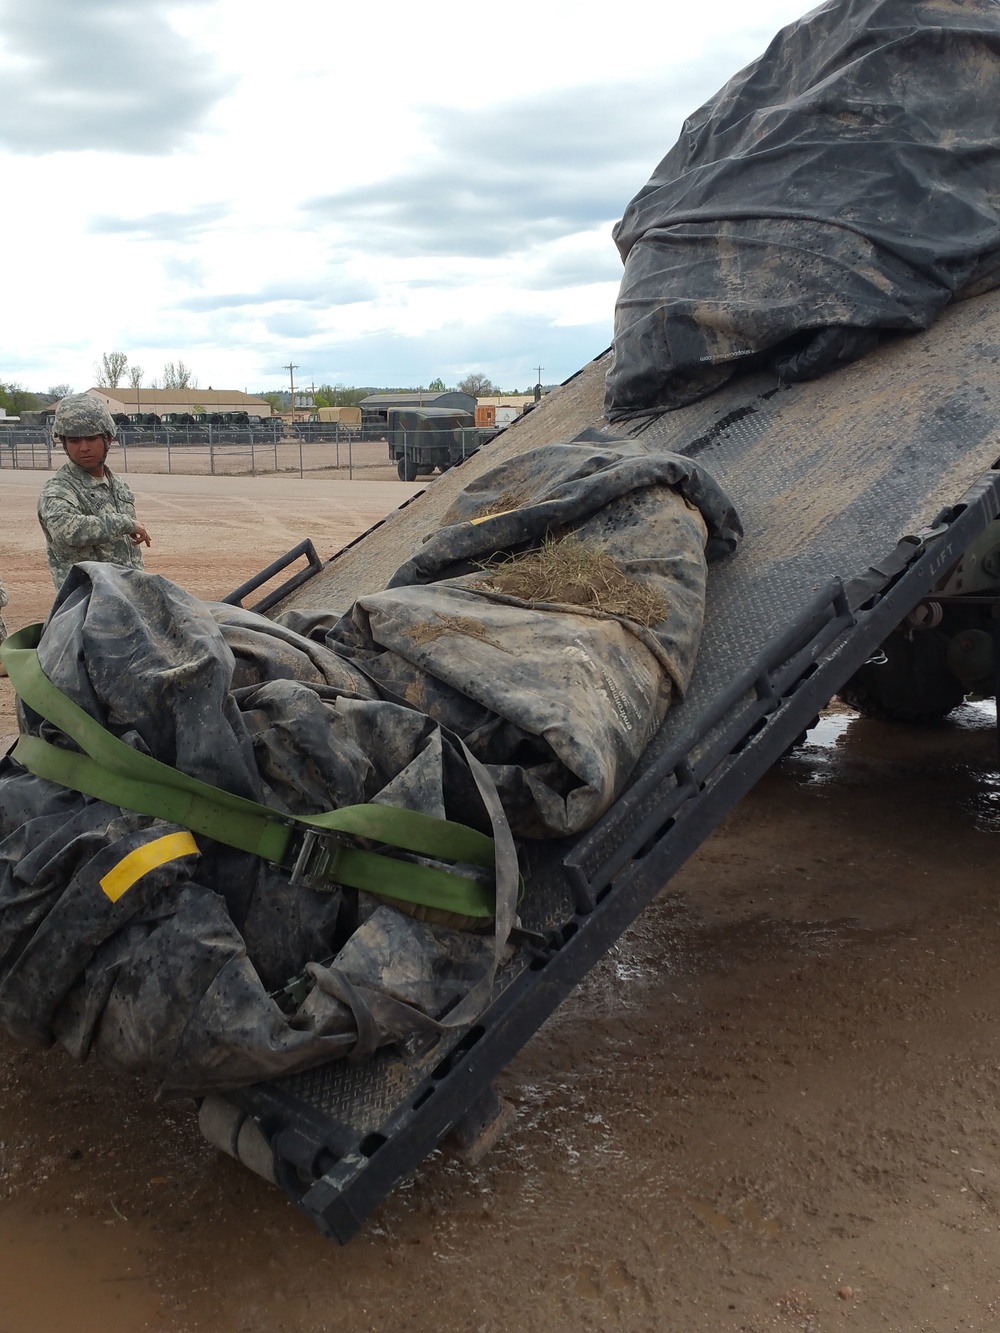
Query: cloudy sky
x=379, y=193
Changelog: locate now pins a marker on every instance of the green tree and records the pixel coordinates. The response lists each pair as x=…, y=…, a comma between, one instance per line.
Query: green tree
x=176, y=375
x=480, y=386
x=110, y=369
x=336, y=395
x=15, y=399
x=436, y=386
x=274, y=399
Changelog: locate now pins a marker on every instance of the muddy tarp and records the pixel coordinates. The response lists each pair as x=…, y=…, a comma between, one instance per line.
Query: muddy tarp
x=554, y=692
x=846, y=182
x=401, y=700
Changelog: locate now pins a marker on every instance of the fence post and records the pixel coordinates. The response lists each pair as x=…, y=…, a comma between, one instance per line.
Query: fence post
x=274, y=441
x=169, y=464
x=350, y=457
x=211, y=451
x=253, y=464
x=124, y=454
x=336, y=437
x=300, y=456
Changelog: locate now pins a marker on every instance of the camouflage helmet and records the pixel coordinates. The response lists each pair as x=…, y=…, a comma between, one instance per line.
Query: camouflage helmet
x=82, y=414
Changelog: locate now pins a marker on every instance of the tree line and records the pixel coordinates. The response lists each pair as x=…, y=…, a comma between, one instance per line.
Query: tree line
x=15, y=398
x=339, y=395
x=114, y=369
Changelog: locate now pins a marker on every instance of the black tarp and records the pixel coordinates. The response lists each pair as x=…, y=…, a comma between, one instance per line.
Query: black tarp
x=402, y=700
x=846, y=182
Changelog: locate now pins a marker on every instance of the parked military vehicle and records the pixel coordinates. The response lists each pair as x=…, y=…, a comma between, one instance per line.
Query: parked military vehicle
x=376, y=407
x=422, y=439
x=347, y=417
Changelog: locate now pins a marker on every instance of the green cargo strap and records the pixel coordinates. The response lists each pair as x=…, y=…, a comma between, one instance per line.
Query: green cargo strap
x=112, y=771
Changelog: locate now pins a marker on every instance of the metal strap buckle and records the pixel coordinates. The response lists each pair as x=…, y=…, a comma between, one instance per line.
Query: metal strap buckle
x=316, y=859
x=923, y=536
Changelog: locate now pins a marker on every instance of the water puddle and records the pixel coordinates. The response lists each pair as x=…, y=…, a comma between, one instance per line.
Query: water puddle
x=958, y=757
x=829, y=729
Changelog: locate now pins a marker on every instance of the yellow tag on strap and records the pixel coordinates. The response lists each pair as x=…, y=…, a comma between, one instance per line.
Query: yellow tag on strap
x=130, y=868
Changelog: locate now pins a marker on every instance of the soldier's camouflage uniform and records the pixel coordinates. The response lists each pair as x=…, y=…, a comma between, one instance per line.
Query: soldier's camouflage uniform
x=3, y=603
x=86, y=519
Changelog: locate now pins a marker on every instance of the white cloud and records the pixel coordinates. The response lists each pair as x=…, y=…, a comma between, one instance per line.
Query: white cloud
x=382, y=193
x=111, y=75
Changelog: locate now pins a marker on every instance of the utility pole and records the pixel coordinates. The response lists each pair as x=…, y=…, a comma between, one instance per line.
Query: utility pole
x=538, y=386
x=291, y=380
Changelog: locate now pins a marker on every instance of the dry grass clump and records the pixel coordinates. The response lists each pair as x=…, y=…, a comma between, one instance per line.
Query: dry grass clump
x=574, y=572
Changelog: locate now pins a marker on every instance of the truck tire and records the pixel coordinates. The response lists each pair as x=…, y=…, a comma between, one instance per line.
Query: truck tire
x=406, y=469
x=909, y=683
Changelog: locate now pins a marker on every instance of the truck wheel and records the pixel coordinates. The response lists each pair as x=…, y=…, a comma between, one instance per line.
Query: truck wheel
x=406, y=469
x=908, y=682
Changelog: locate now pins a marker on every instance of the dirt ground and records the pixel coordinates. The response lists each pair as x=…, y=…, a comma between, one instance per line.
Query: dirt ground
x=772, y=1107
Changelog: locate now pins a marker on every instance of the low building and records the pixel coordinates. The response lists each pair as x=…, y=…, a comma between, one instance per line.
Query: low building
x=518, y=400
x=175, y=401
x=501, y=409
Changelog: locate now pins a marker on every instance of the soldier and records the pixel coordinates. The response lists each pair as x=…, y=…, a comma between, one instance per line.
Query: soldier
x=86, y=512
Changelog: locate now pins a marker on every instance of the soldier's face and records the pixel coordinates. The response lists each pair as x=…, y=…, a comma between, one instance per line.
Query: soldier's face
x=87, y=451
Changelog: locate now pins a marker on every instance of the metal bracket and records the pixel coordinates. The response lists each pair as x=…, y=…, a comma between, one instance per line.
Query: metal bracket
x=316, y=860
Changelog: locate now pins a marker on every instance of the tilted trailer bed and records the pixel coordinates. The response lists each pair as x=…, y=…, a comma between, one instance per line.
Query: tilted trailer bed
x=857, y=492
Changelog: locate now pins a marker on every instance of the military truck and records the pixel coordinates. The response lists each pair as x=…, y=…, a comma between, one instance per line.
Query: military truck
x=424, y=438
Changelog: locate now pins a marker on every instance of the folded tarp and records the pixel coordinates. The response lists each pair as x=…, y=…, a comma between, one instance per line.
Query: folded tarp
x=555, y=686
x=846, y=182
x=530, y=648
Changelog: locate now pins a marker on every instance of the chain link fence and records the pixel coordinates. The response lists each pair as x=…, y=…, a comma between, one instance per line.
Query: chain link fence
x=219, y=450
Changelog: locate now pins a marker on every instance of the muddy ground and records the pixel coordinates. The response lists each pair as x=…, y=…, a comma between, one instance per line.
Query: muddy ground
x=772, y=1107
